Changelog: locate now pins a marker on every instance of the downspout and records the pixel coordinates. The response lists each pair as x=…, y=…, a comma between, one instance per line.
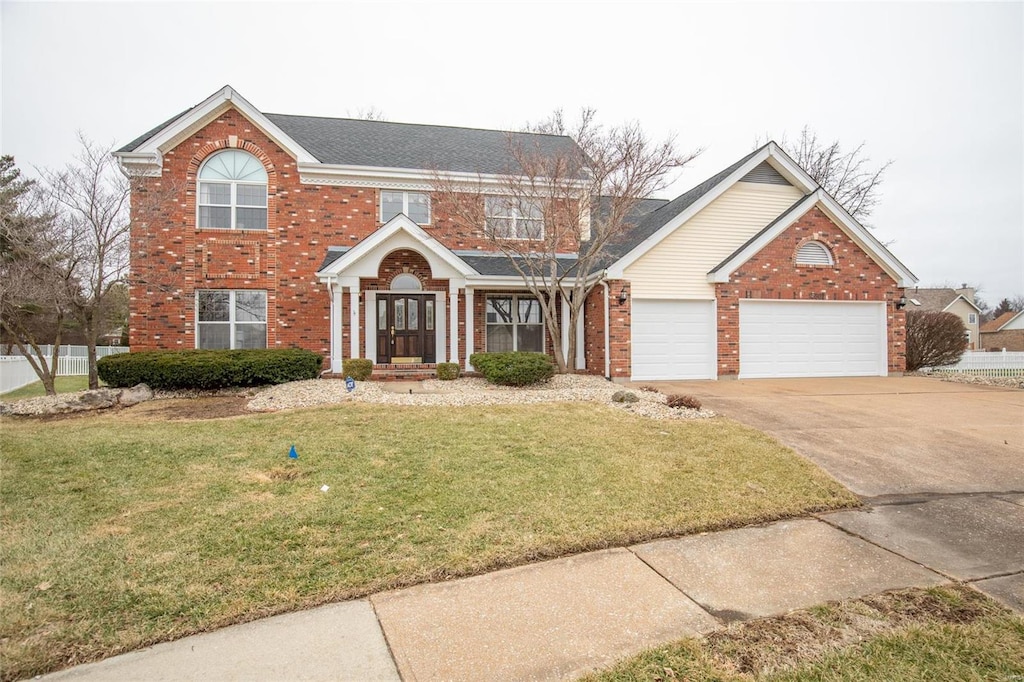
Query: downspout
x=607, y=335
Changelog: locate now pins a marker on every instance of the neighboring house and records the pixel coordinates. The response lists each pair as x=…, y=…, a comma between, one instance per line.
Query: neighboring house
x=1006, y=332
x=320, y=233
x=960, y=302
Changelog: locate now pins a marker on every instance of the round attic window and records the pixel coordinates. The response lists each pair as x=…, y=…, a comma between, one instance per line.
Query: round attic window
x=406, y=282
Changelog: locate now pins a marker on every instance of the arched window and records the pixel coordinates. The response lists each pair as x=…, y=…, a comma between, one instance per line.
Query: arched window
x=406, y=282
x=233, y=192
x=814, y=253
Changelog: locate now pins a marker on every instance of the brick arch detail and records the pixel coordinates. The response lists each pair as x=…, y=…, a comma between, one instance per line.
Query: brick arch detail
x=209, y=149
x=820, y=239
x=405, y=260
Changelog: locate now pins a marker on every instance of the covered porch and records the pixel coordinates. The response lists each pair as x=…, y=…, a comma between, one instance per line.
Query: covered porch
x=406, y=302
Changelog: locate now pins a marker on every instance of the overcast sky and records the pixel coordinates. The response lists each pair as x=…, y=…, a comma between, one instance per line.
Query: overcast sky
x=938, y=88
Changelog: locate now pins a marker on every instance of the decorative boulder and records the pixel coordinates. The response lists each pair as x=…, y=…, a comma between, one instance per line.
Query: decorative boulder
x=624, y=397
x=139, y=393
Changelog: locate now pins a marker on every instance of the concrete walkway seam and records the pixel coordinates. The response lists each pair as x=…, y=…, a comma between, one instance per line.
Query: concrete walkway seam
x=384, y=634
x=821, y=517
x=681, y=591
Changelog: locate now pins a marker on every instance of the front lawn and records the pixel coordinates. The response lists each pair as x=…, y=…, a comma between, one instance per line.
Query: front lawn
x=34, y=390
x=123, y=529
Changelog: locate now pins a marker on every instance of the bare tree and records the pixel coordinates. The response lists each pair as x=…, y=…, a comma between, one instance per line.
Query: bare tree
x=36, y=287
x=370, y=113
x=91, y=201
x=849, y=176
x=1009, y=305
x=541, y=213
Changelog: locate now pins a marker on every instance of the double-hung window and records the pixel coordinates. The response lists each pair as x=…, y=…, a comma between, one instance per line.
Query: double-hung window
x=513, y=218
x=415, y=205
x=232, y=192
x=514, y=323
x=231, y=319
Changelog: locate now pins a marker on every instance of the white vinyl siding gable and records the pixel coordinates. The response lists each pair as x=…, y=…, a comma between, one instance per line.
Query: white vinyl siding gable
x=679, y=265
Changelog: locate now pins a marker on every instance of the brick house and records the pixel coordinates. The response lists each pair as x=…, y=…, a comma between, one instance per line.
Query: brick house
x=270, y=230
x=1006, y=332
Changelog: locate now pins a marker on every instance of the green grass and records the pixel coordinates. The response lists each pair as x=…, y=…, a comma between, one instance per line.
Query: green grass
x=62, y=384
x=949, y=633
x=122, y=530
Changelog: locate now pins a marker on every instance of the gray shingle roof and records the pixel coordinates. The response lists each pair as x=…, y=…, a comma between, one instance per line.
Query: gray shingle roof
x=358, y=142
x=498, y=264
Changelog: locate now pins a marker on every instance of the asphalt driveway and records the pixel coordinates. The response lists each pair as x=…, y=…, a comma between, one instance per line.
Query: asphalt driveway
x=885, y=436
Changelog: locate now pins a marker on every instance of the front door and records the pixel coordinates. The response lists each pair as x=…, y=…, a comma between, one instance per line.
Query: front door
x=405, y=328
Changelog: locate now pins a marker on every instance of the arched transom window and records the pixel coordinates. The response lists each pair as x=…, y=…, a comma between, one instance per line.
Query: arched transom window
x=406, y=282
x=814, y=253
x=233, y=192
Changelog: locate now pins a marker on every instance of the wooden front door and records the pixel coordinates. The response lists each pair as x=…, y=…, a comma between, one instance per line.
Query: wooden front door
x=405, y=328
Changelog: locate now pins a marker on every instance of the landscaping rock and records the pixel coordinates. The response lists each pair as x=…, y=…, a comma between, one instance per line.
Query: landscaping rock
x=134, y=395
x=624, y=397
x=95, y=399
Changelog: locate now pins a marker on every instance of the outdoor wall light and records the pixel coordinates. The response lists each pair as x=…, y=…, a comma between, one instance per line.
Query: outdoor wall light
x=902, y=303
x=623, y=295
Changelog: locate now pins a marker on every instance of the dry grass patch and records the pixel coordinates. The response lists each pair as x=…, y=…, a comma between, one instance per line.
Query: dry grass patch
x=943, y=633
x=149, y=530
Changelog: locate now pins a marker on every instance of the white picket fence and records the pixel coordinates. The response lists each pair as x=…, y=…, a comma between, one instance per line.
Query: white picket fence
x=16, y=371
x=982, y=363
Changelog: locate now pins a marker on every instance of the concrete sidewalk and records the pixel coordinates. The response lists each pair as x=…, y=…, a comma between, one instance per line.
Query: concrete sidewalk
x=561, y=618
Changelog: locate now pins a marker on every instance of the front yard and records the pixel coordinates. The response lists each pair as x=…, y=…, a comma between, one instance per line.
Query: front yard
x=126, y=529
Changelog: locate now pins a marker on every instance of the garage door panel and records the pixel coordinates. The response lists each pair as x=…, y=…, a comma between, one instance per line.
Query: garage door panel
x=672, y=340
x=809, y=339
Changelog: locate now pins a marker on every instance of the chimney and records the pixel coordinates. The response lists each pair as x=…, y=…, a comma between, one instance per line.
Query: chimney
x=966, y=291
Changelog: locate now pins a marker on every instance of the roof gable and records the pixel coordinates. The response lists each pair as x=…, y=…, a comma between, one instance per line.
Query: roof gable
x=937, y=299
x=316, y=142
x=1002, y=321
x=657, y=225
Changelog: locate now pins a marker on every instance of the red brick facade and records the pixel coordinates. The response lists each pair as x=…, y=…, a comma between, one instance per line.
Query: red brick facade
x=172, y=259
x=773, y=274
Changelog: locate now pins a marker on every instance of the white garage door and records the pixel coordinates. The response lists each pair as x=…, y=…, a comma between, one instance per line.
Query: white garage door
x=812, y=339
x=673, y=340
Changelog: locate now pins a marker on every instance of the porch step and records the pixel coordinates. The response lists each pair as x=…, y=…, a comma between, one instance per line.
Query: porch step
x=398, y=372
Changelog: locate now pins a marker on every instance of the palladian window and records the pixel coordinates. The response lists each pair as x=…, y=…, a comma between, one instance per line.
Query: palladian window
x=232, y=192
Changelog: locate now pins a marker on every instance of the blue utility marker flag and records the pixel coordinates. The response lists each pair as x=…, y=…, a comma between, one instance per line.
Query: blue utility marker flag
x=350, y=384
x=293, y=454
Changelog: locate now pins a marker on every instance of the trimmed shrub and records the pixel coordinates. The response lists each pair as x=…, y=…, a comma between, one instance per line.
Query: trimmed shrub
x=447, y=371
x=934, y=339
x=208, y=369
x=359, y=369
x=688, y=401
x=513, y=369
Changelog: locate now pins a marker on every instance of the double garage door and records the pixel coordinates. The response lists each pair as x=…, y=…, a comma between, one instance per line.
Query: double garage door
x=677, y=339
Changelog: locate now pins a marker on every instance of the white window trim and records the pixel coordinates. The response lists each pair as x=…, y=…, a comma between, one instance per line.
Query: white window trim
x=515, y=218
x=405, y=205
x=515, y=322
x=972, y=318
x=234, y=205
x=231, y=322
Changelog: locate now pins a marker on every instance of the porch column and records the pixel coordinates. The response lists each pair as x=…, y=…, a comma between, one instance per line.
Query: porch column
x=370, y=298
x=354, y=320
x=581, y=356
x=469, y=327
x=565, y=328
x=440, y=319
x=453, y=331
x=336, y=333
